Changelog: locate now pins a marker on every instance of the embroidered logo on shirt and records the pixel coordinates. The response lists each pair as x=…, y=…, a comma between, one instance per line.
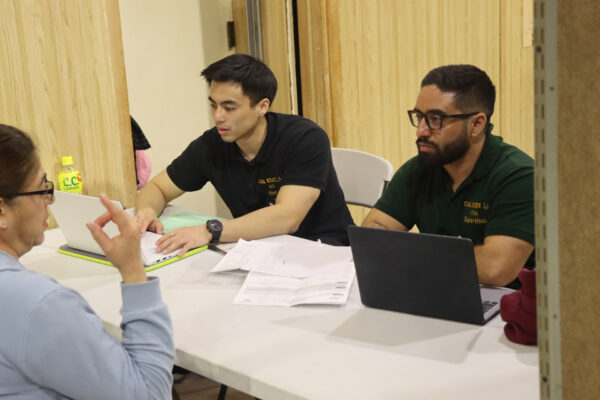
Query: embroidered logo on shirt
x=271, y=184
x=473, y=212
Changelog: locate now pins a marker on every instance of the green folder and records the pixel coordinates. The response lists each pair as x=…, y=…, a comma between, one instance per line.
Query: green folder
x=184, y=219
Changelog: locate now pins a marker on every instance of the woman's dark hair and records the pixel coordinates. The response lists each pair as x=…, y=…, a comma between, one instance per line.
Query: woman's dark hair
x=257, y=80
x=18, y=159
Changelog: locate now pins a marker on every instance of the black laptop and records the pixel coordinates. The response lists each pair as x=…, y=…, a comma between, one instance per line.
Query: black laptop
x=423, y=274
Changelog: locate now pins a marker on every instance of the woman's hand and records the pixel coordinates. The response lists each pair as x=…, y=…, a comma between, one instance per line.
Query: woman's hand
x=123, y=250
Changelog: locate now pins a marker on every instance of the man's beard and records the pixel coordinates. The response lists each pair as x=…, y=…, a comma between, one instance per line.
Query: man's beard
x=451, y=151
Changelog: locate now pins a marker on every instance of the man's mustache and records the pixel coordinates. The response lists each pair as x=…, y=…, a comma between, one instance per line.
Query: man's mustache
x=425, y=141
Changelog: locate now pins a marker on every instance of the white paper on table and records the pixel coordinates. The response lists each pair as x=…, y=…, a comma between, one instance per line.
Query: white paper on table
x=245, y=255
x=285, y=259
x=268, y=290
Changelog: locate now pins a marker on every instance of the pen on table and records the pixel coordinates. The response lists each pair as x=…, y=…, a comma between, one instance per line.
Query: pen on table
x=215, y=248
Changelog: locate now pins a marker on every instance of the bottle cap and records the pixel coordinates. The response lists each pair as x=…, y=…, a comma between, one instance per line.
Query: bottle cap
x=67, y=160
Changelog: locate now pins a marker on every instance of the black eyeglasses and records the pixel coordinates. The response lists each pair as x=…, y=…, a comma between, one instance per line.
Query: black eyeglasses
x=48, y=191
x=433, y=119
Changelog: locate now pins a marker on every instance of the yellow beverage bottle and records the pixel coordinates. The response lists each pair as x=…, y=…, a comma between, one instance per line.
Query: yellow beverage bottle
x=69, y=179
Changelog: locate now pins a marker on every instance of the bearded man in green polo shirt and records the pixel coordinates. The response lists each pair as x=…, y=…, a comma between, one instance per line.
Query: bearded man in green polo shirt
x=465, y=181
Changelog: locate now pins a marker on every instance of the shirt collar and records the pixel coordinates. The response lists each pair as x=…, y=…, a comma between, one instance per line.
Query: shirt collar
x=9, y=263
x=488, y=157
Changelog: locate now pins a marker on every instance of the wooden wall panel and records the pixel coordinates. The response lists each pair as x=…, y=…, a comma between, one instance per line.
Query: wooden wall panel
x=578, y=150
x=379, y=53
x=63, y=81
x=314, y=64
x=240, y=25
x=514, y=103
x=567, y=233
x=278, y=52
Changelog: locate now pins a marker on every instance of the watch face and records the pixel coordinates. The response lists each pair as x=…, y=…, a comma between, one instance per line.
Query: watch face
x=213, y=225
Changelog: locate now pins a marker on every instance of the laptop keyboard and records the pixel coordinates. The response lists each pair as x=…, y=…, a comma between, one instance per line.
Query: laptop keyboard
x=487, y=305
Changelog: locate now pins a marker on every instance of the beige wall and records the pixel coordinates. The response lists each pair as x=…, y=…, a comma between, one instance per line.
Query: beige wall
x=166, y=46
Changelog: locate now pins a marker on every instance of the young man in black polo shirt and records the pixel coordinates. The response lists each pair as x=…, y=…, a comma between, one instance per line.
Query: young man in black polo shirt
x=274, y=171
x=465, y=181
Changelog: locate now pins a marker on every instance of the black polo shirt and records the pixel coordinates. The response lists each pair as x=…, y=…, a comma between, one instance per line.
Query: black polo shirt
x=296, y=151
x=495, y=199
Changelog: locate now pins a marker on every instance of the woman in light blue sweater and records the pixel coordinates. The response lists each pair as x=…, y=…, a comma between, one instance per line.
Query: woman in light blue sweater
x=52, y=344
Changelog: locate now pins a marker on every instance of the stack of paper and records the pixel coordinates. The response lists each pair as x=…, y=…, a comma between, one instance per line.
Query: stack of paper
x=289, y=274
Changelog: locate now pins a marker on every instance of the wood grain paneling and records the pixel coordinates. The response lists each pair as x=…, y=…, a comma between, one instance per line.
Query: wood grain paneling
x=240, y=20
x=63, y=81
x=578, y=150
x=378, y=54
x=567, y=231
x=514, y=103
x=278, y=51
x=314, y=63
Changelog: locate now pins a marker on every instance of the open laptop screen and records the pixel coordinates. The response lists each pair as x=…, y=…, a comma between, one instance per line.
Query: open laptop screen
x=423, y=274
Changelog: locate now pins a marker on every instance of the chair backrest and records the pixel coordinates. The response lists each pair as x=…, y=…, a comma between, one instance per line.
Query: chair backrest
x=362, y=176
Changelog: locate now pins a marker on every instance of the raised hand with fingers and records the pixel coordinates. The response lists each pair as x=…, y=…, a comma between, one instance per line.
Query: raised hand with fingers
x=123, y=250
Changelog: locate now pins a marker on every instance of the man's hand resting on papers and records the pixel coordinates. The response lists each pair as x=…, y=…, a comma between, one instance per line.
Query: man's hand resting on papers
x=122, y=250
x=147, y=220
x=184, y=238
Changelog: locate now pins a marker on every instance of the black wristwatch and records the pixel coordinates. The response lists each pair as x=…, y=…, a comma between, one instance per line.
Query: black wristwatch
x=215, y=227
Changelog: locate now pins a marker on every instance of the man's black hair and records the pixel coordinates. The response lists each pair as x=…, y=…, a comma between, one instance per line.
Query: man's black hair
x=257, y=80
x=473, y=90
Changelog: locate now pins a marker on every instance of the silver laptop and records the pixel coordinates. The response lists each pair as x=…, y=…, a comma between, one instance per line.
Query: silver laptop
x=72, y=211
x=423, y=274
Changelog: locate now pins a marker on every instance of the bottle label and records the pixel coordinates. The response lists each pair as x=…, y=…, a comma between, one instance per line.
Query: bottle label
x=70, y=182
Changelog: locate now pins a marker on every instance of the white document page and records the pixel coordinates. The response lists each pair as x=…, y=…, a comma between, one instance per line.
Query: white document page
x=268, y=290
x=290, y=260
x=245, y=256
x=286, y=274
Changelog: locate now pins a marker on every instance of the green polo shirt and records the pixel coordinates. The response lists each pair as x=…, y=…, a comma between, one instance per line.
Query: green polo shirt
x=495, y=199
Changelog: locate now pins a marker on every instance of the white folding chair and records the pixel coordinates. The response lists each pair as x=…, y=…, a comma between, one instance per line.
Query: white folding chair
x=362, y=176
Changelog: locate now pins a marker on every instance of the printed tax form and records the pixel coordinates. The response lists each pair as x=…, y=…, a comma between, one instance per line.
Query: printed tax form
x=282, y=274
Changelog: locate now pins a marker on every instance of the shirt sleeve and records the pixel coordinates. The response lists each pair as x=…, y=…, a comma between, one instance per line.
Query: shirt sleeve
x=188, y=171
x=396, y=199
x=308, y=161
x=68, y=350
x=512, y=210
